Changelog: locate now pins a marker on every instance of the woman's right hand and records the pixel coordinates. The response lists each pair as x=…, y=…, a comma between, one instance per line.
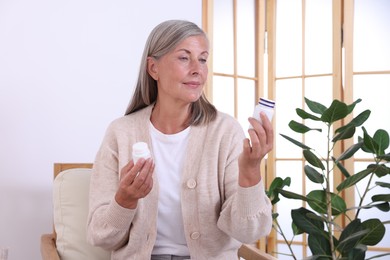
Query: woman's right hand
x=135, y=183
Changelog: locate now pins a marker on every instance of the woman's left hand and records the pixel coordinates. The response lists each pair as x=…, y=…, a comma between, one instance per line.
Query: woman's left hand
x=254, y=149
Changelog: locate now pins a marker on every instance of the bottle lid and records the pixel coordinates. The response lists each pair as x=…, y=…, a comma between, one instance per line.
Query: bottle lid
x=267, y=102
x=140, y=148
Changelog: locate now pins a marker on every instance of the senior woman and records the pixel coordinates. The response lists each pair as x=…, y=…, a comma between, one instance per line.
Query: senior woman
x=200, y=195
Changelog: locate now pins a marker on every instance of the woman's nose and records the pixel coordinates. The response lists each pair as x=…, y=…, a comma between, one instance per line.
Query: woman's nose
x=195, y=67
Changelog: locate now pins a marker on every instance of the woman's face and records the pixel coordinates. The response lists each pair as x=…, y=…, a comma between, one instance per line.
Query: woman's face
x=181, y=73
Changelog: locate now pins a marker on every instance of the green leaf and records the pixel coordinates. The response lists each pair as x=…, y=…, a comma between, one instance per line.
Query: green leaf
x=337, y=110
x=345, y=134
x=352, y=106
x=380, y=170
x=317, y=201
x=361, y=118
x=277, y=183
x=381, y=197
x=379, y=256
x=383, y=170
x=350, y=152
x=385, y=157
x=319, y=245
x=383, y=184
x=271, y=193
x=350, y=181
x=308, y=225
x=313, y=159
x=351, y=235
x=316, y=217
x=357, y=121
x=341, y=168
x=357, y=253
x=376, y=232
x=296, y=230
x=313, y=174
x=304, y=115
x=295, y=142
x=292, y=195
x=301, y=128
x=315, y=106
x=381, y=137
x=370, y=145
x=385, y=207
x=286, y=182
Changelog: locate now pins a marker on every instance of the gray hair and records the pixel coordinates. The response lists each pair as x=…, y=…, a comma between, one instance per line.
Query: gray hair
x=163, y=39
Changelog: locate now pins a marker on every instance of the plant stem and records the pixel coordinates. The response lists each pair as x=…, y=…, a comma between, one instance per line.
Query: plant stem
x=328, y=198
x=364, y=195
x=285, y=239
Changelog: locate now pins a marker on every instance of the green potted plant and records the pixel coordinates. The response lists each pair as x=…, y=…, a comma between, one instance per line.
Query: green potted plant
x=324, y=206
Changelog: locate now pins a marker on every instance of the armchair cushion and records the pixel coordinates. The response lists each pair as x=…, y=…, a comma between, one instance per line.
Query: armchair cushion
x=70, y=200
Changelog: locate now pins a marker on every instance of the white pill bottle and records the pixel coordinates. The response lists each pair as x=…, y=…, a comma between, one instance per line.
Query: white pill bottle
x=265, y=105
x=140, y=150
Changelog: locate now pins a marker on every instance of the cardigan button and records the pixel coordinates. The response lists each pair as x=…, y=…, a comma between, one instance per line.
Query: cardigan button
x=191, y=183
x=195, y=235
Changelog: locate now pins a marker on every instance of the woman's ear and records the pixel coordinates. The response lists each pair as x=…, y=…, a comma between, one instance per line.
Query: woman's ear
x=152, y=68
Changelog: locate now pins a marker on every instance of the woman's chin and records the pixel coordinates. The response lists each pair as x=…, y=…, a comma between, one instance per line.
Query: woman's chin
x=193, y=98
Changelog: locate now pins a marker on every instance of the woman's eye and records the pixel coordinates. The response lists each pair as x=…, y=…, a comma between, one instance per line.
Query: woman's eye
x=183, y=58
x=203, y=60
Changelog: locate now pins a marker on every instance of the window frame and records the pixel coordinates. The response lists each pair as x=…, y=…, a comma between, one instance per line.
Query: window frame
x=342, y=81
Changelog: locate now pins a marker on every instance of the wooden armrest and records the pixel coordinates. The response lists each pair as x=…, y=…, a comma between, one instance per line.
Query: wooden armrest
x=48, y=247
x=249, y=252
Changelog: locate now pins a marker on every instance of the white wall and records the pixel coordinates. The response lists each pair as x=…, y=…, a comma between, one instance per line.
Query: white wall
x=67, y=68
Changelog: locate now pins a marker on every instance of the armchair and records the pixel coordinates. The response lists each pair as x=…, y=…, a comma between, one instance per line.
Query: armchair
x=70, y=203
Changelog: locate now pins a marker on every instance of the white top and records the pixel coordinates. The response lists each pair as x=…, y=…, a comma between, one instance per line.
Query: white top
x=169, y=154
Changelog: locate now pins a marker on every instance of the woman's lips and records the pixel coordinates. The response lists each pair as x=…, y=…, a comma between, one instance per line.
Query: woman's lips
x=192, y=84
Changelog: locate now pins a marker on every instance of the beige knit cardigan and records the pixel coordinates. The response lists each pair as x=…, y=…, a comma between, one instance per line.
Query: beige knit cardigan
x=218, y=214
